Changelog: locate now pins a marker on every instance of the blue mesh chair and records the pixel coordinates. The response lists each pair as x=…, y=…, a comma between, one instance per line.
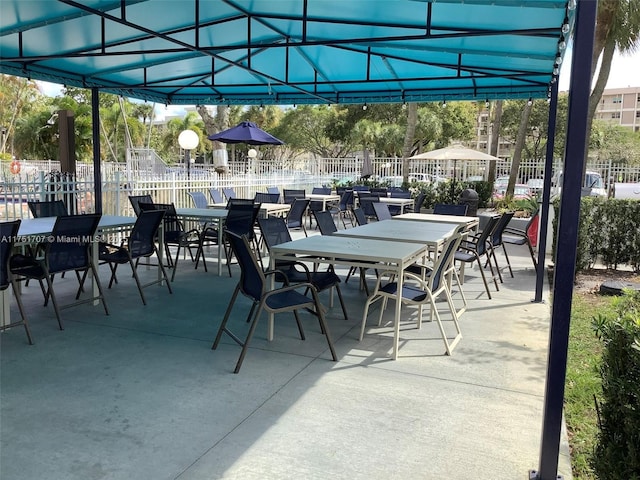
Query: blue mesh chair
x=240, y=220
x=175, y=235
x=253, y=285
x=141, y=243
x=53, y=208
x=325, y=222
x=8, y=234
x=317, y=205
x=450, y=209
x=263, y=197
x=361, y=218
x=68, y=249
x=229, y=193
x=474, y=248
x=296, y=213
x=136, y=200
x=496, y=239
x=382, y=211
x=366, y=203
x=216, y=196
x=419, y=291
x=199, y=199
x=274, y=191
x=274, y=231
x=515, y=236
x=293, y=194
x=418, y=202
x=343, y=210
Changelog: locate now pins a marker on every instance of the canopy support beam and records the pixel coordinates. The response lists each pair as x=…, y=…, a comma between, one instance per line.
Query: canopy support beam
x=95, y=128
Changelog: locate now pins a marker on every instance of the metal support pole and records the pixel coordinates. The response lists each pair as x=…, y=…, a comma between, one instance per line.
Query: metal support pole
x=546, y=193
x=567, y=241
x=95, y=124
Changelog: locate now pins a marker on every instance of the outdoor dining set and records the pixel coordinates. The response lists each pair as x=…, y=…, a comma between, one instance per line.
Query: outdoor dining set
x=414, y=257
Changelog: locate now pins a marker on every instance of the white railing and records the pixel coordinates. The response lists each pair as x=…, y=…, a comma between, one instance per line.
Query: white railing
x=117, y=184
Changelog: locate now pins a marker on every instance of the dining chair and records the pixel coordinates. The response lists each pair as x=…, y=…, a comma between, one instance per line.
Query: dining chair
x=343, y=209
x=53, y=208
x=175, y=235
x=382, y=211
x=516, y=236
x=473, y=248
x=381, y=191
x=274, y=191
x=216, y=196
x=418, y=202
x=239, y=201
x=8, y=234
x=293, y=194
x=274, y=231
x=317, y=205
x=68, y=248
x=136, y=200
x=417, y=290
x=265, y=197
x=496, y=239
x=240, y=220
x=361, y=218
x=199, y=199
x=253, y=285
x=139, y=244
x=296, y=213
x=366, y=203
x=450, y=209
x=229, y=192
x=325, y=222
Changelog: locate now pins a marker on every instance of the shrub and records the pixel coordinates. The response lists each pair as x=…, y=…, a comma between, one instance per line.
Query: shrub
x=617, y=453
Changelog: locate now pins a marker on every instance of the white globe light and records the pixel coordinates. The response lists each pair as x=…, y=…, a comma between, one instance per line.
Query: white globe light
x=252, y=153
x=188, y=139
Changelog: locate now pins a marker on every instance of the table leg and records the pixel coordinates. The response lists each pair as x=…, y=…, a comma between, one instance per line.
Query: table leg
x=5, y=312
x=396, y=326
x=220, y=247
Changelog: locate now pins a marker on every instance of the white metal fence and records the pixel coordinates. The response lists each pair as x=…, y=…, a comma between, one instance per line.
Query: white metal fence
x=42, y=181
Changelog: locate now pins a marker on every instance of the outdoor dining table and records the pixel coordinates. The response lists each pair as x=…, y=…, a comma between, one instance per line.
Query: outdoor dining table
x=36, y=230
x=266, y=209
x=324, y=198
x=354, y=252
x=209, y=215
x=398, y=202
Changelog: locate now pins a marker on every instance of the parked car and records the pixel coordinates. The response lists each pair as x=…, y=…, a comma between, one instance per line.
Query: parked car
x=501, y=183
x=420, y=177
x=592, y=184
x=520, y=192
x=535, y=184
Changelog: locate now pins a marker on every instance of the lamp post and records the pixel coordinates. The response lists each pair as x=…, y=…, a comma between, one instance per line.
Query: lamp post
x=188, y=140
x=252, y=154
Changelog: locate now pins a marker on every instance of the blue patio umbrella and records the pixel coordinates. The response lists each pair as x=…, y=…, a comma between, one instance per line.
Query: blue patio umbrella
x=246, y=132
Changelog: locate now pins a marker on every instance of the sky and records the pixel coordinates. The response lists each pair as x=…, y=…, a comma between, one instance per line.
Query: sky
x=625, y=72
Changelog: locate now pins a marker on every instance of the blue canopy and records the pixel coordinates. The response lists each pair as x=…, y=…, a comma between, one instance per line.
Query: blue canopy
x=253, y=52
x=246, y=132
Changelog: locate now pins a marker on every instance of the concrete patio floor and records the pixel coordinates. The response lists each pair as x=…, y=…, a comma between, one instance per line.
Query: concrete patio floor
x=139, y=394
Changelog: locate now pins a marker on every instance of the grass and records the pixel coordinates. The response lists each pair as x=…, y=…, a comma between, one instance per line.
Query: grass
x=583, y=381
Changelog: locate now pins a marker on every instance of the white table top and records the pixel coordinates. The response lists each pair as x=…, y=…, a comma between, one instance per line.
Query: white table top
x=44, y=225
x=397, y=201
x=351, y=250
x=433, y=218
x=431, y=234
x=331, y=197
x=265, y=208
x=202, y=213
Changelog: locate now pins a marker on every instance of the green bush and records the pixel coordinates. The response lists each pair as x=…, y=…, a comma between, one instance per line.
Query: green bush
x=609, y=230
x=617, y=453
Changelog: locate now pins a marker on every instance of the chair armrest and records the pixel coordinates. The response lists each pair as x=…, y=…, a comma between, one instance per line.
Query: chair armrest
x=287, y=288
x=514, y=231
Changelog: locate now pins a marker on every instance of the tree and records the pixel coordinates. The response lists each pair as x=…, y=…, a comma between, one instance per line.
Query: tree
x=17, y=95
x=617, y=27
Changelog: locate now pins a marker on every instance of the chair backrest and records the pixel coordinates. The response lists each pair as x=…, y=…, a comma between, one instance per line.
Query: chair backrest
x=54, y=208
x=262, y=197
x=229, y=192
x=199, y=199
x=498, y=230
x=321, y=190
x=379, y=190
x=274, y=190
x=173, y=227
x=361, y=218
x=360, y=188
x=70, y=242
x=298, y=207
x=450, y=209
x=485, y=234
x=215, y=195
x=325, y=222
x=239, y=201
x=382, y=211
x=417, y=204
x=241, y=218
x=8, y=234
x=445, y=258
x=290, y=195
x=136, y=200
x=346, y=200
x=141, y=242
x=252, y=278
x=400, y=194
x=530, y=223
x=367, y=206
x=274, y=231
